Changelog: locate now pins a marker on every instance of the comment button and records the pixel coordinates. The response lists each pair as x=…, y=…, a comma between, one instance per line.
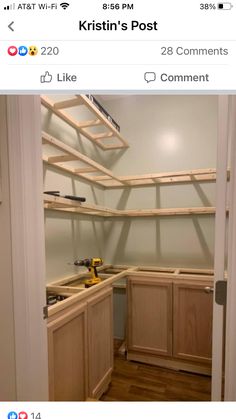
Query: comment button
x=149, y=76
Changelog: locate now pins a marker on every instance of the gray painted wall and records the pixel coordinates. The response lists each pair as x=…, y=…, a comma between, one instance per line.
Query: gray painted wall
x=69, y=236
x=166, y=133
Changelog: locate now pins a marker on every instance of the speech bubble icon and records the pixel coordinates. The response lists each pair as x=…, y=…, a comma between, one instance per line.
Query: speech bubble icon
x=149, y=76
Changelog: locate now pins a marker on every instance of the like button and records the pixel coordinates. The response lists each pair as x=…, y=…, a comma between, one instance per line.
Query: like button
x=22, y=51
x=46, y=78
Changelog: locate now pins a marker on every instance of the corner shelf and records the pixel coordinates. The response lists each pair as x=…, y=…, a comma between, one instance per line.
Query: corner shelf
x=105, y=177
x=108, y=179
x=185, y=176
x=68, y=205
x=70, y=154
x=84, y=127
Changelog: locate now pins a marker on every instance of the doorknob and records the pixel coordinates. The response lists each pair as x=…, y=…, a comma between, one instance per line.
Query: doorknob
x=208, y=289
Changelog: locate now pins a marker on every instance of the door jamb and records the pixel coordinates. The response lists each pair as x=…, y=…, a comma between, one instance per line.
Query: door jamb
x=28, y=255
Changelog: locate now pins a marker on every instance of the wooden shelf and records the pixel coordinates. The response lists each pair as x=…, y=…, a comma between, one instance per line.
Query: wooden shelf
x=107, y=179
x=70, y=154
x=94, y=172
x=168, y=212
x=109, y=131
x=186, y=176
x=67, y=205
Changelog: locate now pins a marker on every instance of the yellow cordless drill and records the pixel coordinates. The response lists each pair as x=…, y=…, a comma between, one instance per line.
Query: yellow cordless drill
x=92, y=265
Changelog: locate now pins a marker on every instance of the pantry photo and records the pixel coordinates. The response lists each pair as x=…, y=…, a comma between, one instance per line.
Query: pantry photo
x=117, y=217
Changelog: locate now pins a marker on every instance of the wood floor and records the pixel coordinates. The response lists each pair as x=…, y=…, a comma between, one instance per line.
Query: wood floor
x=133, y=381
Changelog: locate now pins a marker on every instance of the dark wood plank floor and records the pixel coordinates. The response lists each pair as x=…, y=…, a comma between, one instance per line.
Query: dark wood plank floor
x=133, y=381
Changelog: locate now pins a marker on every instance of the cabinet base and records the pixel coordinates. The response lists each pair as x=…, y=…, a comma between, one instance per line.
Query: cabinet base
x=170, y=363
x=102, y=386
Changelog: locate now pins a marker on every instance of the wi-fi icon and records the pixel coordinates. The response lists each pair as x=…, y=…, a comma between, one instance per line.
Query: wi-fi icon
x=64, y=5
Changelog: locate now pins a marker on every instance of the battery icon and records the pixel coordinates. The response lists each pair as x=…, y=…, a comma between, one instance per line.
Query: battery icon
x=224, y=6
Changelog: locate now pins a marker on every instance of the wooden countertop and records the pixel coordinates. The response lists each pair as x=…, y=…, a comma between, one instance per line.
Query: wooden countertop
x=78, y=294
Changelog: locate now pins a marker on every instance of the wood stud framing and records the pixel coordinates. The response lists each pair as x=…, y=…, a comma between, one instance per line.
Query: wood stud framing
x=73, y=155
x=67, y=205
x=108, y=179
x=84, y=127
x=101, y=176
x=159, y=178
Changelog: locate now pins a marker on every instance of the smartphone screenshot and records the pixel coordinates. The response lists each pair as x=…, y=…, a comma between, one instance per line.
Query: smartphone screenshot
x=117, y=208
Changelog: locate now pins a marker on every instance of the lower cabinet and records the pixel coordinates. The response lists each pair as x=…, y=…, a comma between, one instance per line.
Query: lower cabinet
x=80, y=349
x=100, y=342
x=150, y=316
x=67, y=356
x=193, y=310
x=170, y=322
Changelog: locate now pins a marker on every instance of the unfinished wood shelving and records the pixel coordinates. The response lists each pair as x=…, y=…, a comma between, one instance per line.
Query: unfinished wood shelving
x=94, y=172
x=108, y=179
x=67, y=205
x=70, y=154
x=198, y=175
x=109, y=131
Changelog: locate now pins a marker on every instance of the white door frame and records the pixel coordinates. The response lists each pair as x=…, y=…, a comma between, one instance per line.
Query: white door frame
x=230, y=338
x=226, y=147
x=28, y=254
x=220, y=242
x=28, y=257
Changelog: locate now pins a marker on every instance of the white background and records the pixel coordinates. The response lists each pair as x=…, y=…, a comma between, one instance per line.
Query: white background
x=104, y=60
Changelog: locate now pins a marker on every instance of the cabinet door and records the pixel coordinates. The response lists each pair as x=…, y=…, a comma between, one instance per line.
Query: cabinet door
x=193, y=321
x=150, y=315
x=100, y=339
x=67, y=351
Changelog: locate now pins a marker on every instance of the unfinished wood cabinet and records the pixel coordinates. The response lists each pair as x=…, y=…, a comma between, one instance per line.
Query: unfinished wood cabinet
x=193, y=308
x=150, y=315
x=170, y=322
x=67, y=352
x=100, y=342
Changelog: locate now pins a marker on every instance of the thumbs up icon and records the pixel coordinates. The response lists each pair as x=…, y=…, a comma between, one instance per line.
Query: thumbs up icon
x=46, y=78
x=22, y=51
